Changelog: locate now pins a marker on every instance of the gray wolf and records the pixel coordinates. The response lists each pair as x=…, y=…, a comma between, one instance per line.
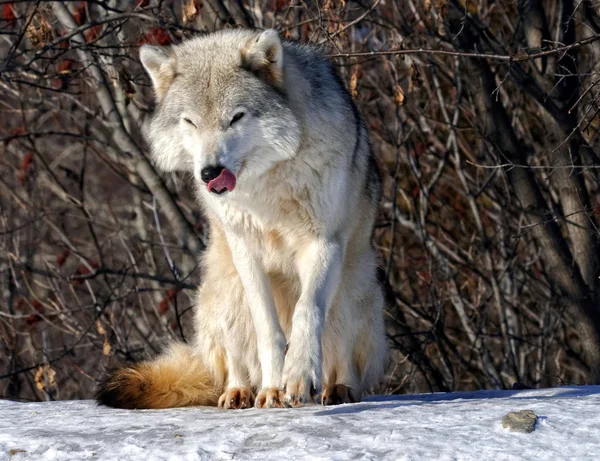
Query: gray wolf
x=289, y=309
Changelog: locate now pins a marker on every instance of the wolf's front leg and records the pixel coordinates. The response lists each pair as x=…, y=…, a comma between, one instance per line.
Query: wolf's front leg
x=237, y=393
x=269, y=335
x=319, y=268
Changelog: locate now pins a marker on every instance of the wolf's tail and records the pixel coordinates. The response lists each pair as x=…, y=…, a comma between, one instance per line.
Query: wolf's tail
x=177, y=378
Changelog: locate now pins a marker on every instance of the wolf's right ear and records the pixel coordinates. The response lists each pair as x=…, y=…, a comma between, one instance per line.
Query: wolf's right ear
x=159, y=62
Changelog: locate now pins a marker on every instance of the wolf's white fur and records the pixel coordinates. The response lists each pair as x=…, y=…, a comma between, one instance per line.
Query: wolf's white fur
x=290, y=260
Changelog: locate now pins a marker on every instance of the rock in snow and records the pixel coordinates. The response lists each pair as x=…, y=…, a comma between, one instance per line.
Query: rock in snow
x=453, y=426
x=520, y=421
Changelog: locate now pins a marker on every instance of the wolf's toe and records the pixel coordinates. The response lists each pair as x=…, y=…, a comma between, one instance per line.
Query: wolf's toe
x=236, y=398
x=269, y=398
x=299, y=392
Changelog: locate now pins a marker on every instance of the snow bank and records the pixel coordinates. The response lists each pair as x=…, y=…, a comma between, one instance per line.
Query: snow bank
x=457, y=426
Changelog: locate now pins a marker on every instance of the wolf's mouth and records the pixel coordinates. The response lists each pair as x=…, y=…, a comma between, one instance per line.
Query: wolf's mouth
x=222, y=183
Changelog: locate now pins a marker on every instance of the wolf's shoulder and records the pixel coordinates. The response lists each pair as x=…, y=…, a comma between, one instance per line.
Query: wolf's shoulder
x=314, y=64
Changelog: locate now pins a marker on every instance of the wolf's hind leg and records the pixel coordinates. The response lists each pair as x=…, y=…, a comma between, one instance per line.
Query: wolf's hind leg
x=354, y=343
x=341, y=381
x=342, y=385
x=338, y=393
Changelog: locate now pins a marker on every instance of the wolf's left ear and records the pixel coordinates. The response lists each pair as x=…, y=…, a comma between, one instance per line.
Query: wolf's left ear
x=159, y=62
x=264, y=56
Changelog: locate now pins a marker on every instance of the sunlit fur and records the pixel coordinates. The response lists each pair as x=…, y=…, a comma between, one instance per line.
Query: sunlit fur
x=174, y=379
x=289, y=297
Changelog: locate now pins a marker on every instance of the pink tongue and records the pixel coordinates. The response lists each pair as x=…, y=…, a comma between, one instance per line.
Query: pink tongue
x=225, y=180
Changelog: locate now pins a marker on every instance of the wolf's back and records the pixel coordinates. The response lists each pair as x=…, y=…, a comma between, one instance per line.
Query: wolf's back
x=177, y=378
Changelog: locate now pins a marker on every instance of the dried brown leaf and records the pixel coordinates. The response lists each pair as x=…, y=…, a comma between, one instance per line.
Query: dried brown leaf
x=190, y=10
x=45, y=374
x=415, y=78
x=39, y=31
x=442, y=7
x=39, y=378
x=354, y=83
x=107, y=347
x=469, y=5
x=398, y=95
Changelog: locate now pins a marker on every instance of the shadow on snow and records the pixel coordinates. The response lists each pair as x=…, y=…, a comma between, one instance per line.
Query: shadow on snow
x=398, y=401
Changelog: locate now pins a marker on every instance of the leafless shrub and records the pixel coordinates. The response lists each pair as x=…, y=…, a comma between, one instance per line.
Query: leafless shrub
x=485, y=121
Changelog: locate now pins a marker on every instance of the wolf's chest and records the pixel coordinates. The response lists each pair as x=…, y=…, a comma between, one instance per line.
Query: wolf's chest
x=257, y=213
x=274, y=232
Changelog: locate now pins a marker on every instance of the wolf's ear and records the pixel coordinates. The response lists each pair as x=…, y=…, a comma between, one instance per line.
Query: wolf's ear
x=159, y=62
x=264, y=56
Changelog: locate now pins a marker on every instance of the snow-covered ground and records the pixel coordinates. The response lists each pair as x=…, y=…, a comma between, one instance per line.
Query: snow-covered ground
x=457, y=426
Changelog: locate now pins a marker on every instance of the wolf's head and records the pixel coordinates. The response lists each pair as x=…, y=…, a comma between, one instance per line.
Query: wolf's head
x=222, y=108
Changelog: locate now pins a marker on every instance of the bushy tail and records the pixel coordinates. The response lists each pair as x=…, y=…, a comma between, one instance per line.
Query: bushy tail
x=177, y=378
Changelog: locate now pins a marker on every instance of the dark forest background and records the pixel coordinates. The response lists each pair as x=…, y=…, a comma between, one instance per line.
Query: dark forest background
x=483, y=116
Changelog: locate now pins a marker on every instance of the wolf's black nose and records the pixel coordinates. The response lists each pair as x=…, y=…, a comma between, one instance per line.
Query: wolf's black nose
x=211, y=172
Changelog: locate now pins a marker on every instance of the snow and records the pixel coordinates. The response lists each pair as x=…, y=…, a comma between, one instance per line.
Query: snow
x=453, y=426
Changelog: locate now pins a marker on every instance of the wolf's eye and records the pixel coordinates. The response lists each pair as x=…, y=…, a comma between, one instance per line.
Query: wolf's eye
x=236, y=118
x=189, y=122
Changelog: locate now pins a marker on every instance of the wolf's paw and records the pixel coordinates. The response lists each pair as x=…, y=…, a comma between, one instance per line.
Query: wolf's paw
x=338, y=393
x=269, y=398
x=300, y=387
x=236, y=398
